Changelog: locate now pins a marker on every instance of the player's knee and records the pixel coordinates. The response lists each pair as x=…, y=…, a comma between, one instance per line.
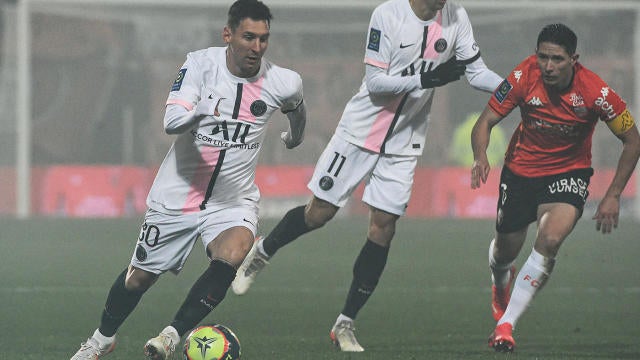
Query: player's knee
x=234, y=255
x=381, y=235
x=548, y=244
x=382, y=227
x=319, y=212
x=139, y=280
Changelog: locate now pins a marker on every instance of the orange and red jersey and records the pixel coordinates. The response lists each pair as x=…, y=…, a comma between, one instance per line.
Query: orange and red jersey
x=555, y=133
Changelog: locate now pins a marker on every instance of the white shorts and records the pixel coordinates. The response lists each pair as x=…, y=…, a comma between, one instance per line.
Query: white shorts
x=342, y=166
x=165, y=241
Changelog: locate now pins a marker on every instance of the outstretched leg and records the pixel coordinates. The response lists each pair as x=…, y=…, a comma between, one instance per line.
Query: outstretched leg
x=226, y=252
x=296, y=222
x=124, y=296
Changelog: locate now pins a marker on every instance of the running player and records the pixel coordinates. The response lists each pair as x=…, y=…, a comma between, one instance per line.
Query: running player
x=547, y=167
x=219, y=107
x=413, y=46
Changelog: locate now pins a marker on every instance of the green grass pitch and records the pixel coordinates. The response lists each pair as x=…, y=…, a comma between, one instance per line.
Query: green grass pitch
x=432, y=301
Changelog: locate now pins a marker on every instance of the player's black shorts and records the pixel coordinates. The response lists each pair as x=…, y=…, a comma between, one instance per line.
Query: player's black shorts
x=519, y=197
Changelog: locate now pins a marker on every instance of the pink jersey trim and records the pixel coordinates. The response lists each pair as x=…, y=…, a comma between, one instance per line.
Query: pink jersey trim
x=381, y=125
x=202, y=176
x=186, y=104
x=435, y=33
x=376, y=63
x=250, y=93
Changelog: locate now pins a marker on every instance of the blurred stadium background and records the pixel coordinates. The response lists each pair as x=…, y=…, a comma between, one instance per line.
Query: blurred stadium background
x=84, y=83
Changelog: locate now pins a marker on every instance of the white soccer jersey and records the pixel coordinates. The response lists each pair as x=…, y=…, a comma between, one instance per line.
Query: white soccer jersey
x=404, y=45
x=214, y=161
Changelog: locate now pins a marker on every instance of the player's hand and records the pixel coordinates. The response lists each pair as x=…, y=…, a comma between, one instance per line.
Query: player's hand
x=607, y=215
x=479, y=173
x=206, y=105
x=289, y=141
x=443, y=74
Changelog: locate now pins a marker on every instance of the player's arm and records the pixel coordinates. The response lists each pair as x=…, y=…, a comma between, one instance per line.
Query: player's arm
x=297, y=122
x=623, y=126
x=380, y=83
x=185, y=104
x=480, y=135
x=180, y=116
x=177, y=119
x=480, y=77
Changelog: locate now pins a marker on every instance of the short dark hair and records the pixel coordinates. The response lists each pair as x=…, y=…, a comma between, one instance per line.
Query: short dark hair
x=559, y=34
x=253, y=9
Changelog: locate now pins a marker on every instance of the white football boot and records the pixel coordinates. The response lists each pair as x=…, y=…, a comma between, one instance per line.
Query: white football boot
x=342, y=335
x=253, y=263
x=163, y=346
x=92, y=349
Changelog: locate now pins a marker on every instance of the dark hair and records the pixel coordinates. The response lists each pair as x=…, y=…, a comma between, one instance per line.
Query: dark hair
x=253, y=9
x=559, y=34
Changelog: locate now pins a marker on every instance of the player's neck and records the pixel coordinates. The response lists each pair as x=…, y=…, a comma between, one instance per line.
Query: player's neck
x=421, y=10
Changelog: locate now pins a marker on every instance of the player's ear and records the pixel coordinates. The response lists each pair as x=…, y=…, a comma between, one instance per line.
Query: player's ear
x=574, y=58
x=226, y=35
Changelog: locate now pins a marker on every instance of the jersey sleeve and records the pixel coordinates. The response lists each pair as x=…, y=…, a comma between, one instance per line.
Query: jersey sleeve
x=185, y=89
x=293, y=100
x=467, y=49
x=608, y=105
x=510, y=92
x=378, y=49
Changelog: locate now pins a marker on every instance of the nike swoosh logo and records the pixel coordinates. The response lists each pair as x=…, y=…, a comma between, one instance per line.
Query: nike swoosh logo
x=243, y=219
x=402, y=46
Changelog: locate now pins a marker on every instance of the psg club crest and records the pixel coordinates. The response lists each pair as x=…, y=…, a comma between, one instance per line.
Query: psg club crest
x=141, y=253
x=326, y=183
x=258, y=108
x=440, y=45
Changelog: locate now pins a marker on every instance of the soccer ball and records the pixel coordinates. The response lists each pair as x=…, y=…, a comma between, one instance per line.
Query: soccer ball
x=211, y=342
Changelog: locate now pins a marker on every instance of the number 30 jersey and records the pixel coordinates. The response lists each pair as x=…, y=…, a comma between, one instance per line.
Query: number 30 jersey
x=213, y=159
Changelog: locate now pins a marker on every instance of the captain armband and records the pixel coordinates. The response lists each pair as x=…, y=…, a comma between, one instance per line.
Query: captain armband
x=621, y=123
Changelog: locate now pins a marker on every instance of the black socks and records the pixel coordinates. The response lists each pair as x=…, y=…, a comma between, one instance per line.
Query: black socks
x=288, y=229
x=120, y=303
x=366, y=273
x=207, y=292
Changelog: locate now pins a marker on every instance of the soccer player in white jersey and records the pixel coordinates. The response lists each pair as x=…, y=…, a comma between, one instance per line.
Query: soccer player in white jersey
x=413, y=46
x=218, y=107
